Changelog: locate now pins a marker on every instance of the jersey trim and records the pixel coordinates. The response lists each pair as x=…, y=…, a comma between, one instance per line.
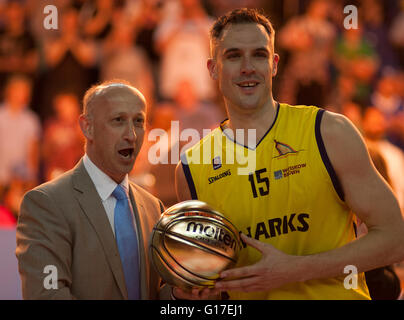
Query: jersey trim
x=188, y=176
x=266, y=133
x=324, y=156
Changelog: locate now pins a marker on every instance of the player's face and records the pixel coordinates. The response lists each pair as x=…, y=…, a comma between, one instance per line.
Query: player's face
x=244, y=65
x=116, y=133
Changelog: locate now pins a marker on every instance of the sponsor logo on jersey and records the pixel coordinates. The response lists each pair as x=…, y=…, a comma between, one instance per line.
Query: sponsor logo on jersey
x=217, y=163
x=278, y=175
x=291, y=170
x=279, y=226
x=219, y=176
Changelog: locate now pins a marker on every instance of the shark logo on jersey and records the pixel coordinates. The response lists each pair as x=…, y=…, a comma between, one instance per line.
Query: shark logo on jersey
x=284, y=149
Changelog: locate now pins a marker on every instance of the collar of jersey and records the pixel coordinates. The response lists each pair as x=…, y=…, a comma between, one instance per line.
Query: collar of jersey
x=266, y=133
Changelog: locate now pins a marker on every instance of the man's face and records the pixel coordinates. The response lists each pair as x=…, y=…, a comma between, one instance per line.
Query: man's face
x=244, y=64
x=115, y=132
x=18, y=94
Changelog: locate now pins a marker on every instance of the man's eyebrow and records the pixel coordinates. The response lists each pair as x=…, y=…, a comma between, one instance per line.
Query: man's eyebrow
x=262, y=49
x=120, y=113
x=230, y=50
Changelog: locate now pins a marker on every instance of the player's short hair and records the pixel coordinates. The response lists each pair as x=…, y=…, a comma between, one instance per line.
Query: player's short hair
x=240, y=16
x=97, y=89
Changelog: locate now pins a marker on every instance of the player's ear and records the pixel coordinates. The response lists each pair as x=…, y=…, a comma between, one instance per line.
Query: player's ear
x=212, y=67
x=275, y=64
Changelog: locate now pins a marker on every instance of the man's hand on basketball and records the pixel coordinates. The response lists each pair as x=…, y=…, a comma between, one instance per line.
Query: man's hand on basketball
x=273, y=270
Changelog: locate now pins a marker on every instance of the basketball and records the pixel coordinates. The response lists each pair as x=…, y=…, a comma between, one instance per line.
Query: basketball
x=192, y=243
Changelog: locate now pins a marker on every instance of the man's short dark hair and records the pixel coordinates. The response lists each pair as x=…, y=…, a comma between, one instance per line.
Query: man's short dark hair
x=240, y=16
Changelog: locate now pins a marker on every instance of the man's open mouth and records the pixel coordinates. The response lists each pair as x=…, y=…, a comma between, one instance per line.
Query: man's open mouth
x=127, y=153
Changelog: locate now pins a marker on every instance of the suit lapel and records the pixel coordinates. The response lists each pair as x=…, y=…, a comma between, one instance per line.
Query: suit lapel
x=92, y=207
x=139, y=212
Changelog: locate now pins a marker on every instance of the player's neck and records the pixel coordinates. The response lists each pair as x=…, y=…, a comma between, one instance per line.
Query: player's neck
x=259, y=119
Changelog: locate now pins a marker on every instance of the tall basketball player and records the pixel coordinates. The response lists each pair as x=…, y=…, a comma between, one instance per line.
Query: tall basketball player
x=312, y=178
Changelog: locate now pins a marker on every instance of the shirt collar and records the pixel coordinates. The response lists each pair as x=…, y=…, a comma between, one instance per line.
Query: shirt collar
x=103, y=183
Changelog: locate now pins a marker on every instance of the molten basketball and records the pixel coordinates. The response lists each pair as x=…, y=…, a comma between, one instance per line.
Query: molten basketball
x=192, y=243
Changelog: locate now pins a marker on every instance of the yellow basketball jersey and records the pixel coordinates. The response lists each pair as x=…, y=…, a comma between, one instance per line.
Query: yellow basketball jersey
x=290, y=199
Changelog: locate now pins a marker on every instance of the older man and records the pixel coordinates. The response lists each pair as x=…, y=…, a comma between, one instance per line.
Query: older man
x=84, y=235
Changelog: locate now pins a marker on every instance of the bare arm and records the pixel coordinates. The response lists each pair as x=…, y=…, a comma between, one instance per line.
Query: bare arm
x=181, y=185
x=367, y=195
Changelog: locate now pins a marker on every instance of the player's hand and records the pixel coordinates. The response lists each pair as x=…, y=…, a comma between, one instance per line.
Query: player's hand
x=196, y=294
x=273, y=270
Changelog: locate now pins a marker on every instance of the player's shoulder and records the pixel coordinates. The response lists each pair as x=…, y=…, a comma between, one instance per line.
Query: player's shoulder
x=344, y=143
x=335, y=125
x=298, y=110
x=333, y=128
x=298, y=117
x=331, y=123
x=301, y=107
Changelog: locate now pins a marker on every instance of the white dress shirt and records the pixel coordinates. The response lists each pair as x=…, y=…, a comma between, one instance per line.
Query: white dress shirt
x=105, y=186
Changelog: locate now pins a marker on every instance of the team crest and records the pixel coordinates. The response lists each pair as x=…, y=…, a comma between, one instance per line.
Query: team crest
x=284, y=149
x=217, y=163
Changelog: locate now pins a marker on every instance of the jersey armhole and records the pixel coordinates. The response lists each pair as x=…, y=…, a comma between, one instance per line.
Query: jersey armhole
x=188, y=176
x=324, y=156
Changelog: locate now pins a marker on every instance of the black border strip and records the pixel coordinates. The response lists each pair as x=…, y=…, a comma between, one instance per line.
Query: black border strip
x=324, y=156
x=188, y=176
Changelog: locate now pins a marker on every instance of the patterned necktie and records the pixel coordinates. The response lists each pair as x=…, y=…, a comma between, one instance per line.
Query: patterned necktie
x=127, y=242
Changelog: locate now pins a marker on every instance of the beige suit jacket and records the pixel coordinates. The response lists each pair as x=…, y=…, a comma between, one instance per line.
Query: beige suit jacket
x=63, y=223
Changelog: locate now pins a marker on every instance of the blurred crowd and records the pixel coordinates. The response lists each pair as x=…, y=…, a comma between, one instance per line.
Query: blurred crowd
x=161, y=46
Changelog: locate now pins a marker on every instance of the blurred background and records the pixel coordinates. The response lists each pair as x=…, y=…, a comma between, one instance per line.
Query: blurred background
x=161, y=46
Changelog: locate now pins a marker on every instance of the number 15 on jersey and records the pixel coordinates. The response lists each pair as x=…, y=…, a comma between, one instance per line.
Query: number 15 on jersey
x=259, y=179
